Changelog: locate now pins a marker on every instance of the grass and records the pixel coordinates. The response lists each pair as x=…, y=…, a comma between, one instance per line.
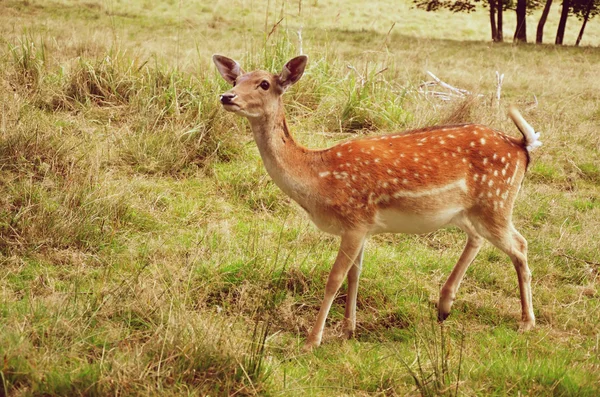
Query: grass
x=145, y=251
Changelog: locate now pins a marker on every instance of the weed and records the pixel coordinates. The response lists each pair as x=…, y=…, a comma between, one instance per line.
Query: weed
x=432, y=369
x=29, y=62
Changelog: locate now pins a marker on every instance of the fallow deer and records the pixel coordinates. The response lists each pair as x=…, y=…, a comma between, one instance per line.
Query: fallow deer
x=410, y=182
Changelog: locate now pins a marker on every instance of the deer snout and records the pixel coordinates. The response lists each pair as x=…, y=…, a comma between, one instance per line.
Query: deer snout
x=227, y=98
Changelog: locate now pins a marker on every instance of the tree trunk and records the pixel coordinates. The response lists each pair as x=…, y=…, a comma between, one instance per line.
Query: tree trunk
x=500, y=34
x=560, y=33
x=521, y=31
x=585, y=20
x=493, y=19
x=539, y=37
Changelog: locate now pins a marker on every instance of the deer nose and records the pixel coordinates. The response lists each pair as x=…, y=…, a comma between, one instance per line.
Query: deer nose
x=227, y=99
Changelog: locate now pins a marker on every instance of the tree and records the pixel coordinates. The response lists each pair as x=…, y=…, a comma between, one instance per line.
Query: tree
x=496, y=11
x=562, y=24
x=521, y=30
x=585, y=10
x=500, y=9
x=539, y=37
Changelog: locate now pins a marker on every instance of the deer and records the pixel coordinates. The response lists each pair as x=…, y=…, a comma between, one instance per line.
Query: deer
x=415, y=182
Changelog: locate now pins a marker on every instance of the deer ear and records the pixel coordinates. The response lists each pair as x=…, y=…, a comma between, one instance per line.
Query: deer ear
x=229, y=69
x=292, y=71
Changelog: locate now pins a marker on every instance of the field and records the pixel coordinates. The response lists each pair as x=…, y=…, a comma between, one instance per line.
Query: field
x=145, y=251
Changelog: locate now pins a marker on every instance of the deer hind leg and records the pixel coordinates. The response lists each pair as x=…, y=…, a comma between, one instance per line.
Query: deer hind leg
x=511, y=242
x=450, y=288
x=350, y=312
x=350, y=248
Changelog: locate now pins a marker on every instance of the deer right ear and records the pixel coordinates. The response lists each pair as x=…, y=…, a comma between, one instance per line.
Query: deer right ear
x=229, y=69
x=292, y=71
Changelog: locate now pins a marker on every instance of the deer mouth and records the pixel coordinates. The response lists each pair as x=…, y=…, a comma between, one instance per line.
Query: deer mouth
x=231, y=107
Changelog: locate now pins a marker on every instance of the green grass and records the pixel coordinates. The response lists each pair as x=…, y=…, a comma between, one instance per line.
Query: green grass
x=145, y=251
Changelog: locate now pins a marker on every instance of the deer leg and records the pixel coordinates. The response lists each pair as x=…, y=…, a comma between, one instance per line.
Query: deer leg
x=519, y=260
x=511, y=242
x=350, y=248
x=450, y=288
x=350, y=312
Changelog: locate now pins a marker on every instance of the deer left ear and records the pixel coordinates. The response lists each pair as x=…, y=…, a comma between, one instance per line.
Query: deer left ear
x=292, y=71
x=229, y=69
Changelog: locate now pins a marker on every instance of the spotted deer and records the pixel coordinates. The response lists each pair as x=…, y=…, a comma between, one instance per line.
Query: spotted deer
x=416, y=181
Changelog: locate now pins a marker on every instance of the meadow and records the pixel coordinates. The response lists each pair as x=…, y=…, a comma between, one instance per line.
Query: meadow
x=145, y=251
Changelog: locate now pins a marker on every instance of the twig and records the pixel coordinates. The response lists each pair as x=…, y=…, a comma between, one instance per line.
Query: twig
x=560, y=253
x=445, y=96
x=299, y=33
x=499, y=80
x=274, y=28
x=387, y=36
x=360, y=76
x=534, y=104
x=448, y=86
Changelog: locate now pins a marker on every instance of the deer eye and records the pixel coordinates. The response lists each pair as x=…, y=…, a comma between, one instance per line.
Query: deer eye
x=265, y=85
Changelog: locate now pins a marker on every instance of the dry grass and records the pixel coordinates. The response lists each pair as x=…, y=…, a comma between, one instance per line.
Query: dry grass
x=146, y=252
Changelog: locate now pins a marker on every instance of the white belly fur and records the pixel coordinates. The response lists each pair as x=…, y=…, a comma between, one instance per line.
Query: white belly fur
x=393, y=221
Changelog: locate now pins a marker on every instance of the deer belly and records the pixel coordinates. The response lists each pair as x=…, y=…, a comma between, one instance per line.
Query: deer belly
x=395, y=221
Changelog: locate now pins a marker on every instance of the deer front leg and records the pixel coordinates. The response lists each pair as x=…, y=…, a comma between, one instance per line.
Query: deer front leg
x=350, y=312
x=350, y=248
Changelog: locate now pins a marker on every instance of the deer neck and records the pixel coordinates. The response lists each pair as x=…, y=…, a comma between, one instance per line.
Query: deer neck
x=288, y=164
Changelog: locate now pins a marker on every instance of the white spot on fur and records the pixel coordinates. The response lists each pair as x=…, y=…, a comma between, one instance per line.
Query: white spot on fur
x=383, y=197
x=482, y=140
x=324, y=174
x=460, y=184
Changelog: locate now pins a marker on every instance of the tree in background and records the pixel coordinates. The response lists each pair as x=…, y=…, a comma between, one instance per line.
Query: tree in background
x=521, y=30
x=562, y=24
x=496, y=12
x=585, y=10
x=539, y=36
